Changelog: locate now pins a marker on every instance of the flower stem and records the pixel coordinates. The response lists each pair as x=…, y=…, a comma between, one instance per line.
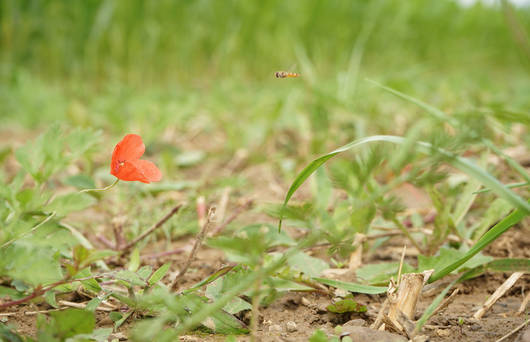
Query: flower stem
x=102, y=189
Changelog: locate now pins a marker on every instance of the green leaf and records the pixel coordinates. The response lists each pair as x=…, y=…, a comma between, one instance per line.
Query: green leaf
x=159, y=274
x=445, y=257
x=49, y=297
x=94, y=302
x=80, y=181
x=144, y=272
x=32, y=264
x=99, y=335
x=346, y=305
x=70, y=322
x=96, y=255
x=8, y=335
x=219, y=273
x=130, y=277
x=118, y=322
x=218, y=286
x=134, y=262
x=382, y=272
x=115, y=316
x=309, y=265
x=237, y=305
x=352, y=287
x=71, y=202
x=319, y=336
x=220, y=321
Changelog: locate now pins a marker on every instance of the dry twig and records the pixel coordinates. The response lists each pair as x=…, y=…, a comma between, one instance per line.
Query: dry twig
x=152, y=228
x=498, y=294
x=524, y=304
x=513, y=331
x=198, y=242
x=237, y=211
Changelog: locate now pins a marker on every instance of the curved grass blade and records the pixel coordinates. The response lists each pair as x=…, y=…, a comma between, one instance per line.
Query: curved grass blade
x=463, y=164
x=510, y=186
x=508, y=222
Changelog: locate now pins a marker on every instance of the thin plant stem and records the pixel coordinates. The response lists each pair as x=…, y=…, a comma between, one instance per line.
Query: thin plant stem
x=39, y=290
x=196, y=246
x=152, y=228
x=102, y=189
x=256, y=299
x=509, y=186
x=407, y=234
x=48, y=218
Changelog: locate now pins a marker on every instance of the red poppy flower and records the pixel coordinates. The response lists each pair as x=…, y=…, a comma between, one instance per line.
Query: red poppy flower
x=127, y=165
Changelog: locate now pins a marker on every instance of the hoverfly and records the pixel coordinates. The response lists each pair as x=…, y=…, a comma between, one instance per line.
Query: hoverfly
x=286, y=74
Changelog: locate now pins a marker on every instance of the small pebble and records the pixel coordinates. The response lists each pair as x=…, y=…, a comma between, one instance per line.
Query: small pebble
x=359, y=322
x=443, y=332
x=291, y=326
x=305, y=301
x=475, y=327
x=275, y=328
x=341, y=293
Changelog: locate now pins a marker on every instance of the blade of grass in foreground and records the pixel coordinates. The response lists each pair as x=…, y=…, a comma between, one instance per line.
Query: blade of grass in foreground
x=463, y=164
x=497, y=230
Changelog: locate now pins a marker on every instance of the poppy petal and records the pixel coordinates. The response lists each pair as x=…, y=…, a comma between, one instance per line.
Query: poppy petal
x=129, y=148
x=127, y=171
x=148, y=169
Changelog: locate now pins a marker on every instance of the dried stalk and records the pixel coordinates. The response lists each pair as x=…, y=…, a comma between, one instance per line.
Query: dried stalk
x=198, y=242
x=524, y=304
x=152, y=228
x=240, y=209
x=403, y=303
x=498, y=294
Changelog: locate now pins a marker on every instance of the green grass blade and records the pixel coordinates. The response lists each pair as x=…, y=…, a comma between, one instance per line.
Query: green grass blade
x=515, y=165
x=432, y=307
x=463, y=164
x=435, y=112
x=508, y=222
x=358, y=288
x=509, y=186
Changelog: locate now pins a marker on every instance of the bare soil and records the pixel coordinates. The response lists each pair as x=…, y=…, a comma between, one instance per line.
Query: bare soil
x=295, y=316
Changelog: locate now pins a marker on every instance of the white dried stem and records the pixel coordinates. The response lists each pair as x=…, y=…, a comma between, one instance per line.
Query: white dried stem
x=498, y=294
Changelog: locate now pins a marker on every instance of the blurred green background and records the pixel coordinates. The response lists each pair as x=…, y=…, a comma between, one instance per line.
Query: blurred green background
x=154, y=66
